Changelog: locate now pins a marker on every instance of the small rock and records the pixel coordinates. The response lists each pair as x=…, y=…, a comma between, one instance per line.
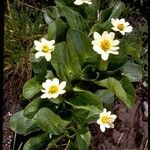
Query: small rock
x=145, y=105
x=145, y=84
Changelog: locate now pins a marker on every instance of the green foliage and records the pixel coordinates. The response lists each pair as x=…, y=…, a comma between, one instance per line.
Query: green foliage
x=83, y=138
x=31, y=88
x=50, y=122
x=20, y=31
x=21, y=124
x=92, y=84
x=123, y=89
x=37, y=143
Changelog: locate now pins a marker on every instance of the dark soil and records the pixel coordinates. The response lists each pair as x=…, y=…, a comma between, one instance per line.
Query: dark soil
x=13, y=84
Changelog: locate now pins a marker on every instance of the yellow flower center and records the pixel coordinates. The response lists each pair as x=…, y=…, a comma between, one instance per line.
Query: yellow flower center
x=45, y=48
x=53, y=89
x=120, y=26
x=105, y=45
x=105, y=119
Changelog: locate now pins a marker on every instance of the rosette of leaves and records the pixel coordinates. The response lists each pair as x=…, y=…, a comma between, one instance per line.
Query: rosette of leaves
x=89, y=88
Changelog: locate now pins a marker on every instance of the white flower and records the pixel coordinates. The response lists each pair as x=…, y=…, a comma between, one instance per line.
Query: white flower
x=52, y=88
x=44, y=48
x=106, y=120
x=121, y=26
x=105, y=44
x=80, y=2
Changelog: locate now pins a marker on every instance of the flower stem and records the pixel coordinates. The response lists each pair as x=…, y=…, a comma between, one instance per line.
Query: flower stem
x=102, y=66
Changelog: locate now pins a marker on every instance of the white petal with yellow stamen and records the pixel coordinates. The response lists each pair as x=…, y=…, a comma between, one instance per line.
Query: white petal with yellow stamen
x=105, y=44
x=52, y=88
x=121, y=26
x=44, y=48
x=80, y=2
x=106, y=120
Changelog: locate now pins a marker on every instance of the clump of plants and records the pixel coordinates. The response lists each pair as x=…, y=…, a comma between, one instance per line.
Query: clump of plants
x=84, y=62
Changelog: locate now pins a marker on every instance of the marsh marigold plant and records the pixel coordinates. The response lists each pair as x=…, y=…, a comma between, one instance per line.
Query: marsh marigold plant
x=78, y=74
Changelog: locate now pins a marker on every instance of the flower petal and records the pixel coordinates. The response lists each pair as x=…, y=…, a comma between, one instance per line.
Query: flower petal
x=45, y=85
x=78, y=2
x=37, y=45
x=39, y=54
x=98, y=121
x=43, y=40
x=111, y=125
x=128, y=29
x=97, y=36
x=52, y=42
x=115, y=29
x=113, y=22
x=114, y=52
x=115, y=42
x=122, y=20
x=112, y=35
x=55, y=95
x=102, y=128
x=104, y=34
x=44, y=96
x=122, y=32
x=114, y=116
x=105, y=56
x=98, y=49
x=48, y=56
x=88, y=2
x=62, y=91
x=62, y=85
x=55, y=81
x=114, y=48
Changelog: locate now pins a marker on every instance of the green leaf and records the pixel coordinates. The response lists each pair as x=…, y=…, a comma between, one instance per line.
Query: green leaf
x=106, y=96
x=104, y=22
x=49, y=75
x=65, y=62
x=50, y=122
x=89, y=73
x=133, y=42
x=82, y=44
x=74, y=19
x=86, y=114
x=39, y=65
x=57, y=30
x=117, y=61
x=118, y=9
x=85, y=98
x=37, y=143
x=132, y=71
x=72, y=146
x=54, y=142
x=91, y=10
x=132, y=51
x=47, y=17
x=22, y=125
x=83, y=139
x=51, y=13
x=33, y=107
x=87, y=106
x=31, y=88
x=123, y=89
